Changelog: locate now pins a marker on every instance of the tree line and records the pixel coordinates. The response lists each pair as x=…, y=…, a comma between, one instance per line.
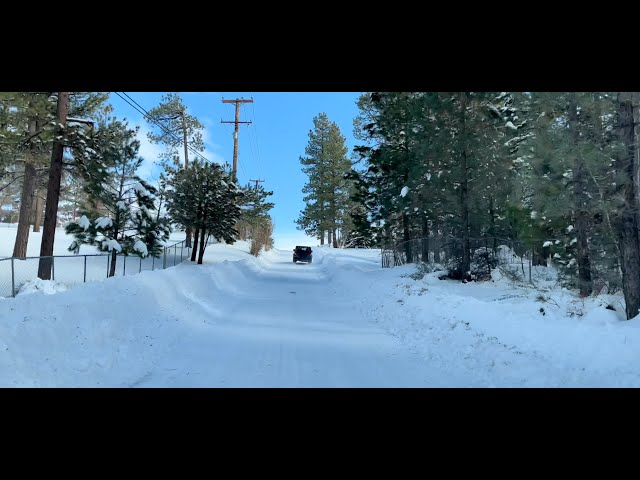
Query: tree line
x=65, y=159
x=556, y=172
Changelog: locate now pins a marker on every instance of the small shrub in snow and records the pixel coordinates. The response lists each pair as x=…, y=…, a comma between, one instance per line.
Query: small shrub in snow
x=483, y=260
x=511, y=272
x=423, y=269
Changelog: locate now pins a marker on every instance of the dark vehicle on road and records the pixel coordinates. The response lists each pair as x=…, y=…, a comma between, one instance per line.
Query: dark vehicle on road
x=302, y=254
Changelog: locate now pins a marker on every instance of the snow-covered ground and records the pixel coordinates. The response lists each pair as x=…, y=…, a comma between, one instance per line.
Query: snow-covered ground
x=70, y=270
x=240, y=321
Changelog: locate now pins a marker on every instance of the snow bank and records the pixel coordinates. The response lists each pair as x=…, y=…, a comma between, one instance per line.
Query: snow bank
x=491, y=334
x=47, y=287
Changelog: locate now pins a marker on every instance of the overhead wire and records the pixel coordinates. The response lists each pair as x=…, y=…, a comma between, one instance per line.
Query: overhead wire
x=251, y=142
x=146, y=115
x=255, y=131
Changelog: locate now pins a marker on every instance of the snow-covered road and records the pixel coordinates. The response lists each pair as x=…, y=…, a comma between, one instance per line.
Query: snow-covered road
x=284, y=325
x=241, y=321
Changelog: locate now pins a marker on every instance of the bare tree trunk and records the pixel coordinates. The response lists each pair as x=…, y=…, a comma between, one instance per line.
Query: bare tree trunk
x=321, y=237
x=406, y=236
x=202, y=245
x=492, y=225
x=425, y=239
x=464, y=189
x=582, y=225
x=436, y=245
x=627, y=220
x=26, y=199
x=580, y=205
x=37, y=211
x=53, y=193
x=194, y=250
x=112, y=267
x=3, y=201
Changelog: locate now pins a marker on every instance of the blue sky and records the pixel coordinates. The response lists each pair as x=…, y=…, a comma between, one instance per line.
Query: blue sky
x=268, y=149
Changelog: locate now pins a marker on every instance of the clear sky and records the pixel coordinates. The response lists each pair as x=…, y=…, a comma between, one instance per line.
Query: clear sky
x=268, y=149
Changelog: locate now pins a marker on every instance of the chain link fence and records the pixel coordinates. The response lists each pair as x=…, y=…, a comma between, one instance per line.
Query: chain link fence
x=517, y=259
x=74, y=269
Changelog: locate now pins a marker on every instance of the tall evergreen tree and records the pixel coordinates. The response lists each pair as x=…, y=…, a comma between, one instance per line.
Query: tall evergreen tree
x=31, y=129
x=627, y=216
x=178, y=131
x=327, y=190
x=72, y=110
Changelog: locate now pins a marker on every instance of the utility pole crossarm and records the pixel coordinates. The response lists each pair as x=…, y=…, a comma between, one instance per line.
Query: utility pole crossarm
x=237, y=100
x=232, y=121
x=256, y=182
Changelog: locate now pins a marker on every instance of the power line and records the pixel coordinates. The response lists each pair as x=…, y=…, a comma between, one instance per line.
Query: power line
x=254, y=155
x=255, y=128
x=148, y=116
x=137, y=107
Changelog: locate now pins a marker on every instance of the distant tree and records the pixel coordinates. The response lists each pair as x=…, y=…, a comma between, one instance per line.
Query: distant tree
x=179, y=131
x=327, y=190
x=255, y=221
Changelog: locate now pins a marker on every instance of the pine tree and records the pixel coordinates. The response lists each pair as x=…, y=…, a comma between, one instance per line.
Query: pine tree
x=73, y=110
x=31, y=128
x=179, y=131
x=120, y=214
x=173, y=128
x=327, y=191
x=204, y=196
x=429, y=161
x=627, y=219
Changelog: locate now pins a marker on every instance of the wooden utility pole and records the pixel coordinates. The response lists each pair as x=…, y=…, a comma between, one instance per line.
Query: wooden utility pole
x=184, y=133
x=256, y=182
x=237, y=121
x=53, y=191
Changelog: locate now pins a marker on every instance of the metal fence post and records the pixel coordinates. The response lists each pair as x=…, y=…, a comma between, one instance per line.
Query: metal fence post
x=13, y=280
x=53, y=268
x=85, y=269
x=124, y=265
x=164, y=258
x=140, y=267
x=153, y=263
x=108, y=257
x=175, y=251
x=181, y=249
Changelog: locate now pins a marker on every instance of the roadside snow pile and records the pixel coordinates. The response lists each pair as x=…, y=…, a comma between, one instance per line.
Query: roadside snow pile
x=501, y=333
x=48, y=287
